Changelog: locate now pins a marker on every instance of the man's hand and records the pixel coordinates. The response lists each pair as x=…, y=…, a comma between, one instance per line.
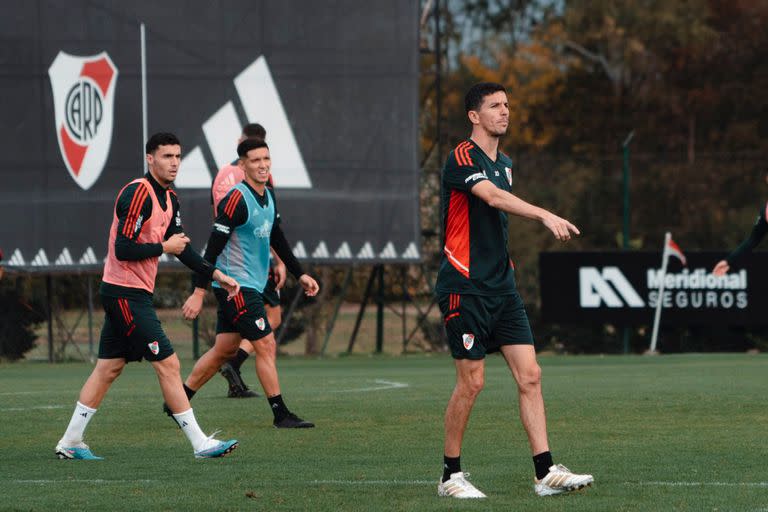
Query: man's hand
x=280, y=273
x=310, y=285
x=193, y=304
x=176, y=244
x=226, y=282
x=721, y=268
x=561, y=228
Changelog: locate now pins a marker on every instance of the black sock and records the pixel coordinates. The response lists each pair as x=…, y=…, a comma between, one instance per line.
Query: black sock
x=190, y=392
x=451, y=465
x=278, y=406
x=239, y=359
x=542, y=462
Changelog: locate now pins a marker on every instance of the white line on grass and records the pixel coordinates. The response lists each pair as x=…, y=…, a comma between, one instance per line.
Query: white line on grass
x=81, y=481
x=371, y=482
x=702, y=484
x=7, y=409
x=382, y=384
x=24, y=392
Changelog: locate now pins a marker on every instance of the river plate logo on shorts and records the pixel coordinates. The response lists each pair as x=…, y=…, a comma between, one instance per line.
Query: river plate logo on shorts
x=260, y=324
x=469, y=340
x=154, y=347
x=83, y=101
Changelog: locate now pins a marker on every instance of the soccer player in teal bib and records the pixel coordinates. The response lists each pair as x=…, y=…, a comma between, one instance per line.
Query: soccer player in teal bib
x=481, y=308
x=240, y=241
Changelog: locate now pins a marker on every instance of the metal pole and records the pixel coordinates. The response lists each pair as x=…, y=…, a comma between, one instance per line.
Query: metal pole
x=332, y=322
x=660, y=301
x=625, y=222
x=49, y=296
x=438, y=88
x=195, y=331
x=380, y=312
x=361, y=312
x=287, y=317
x=404, y=282
x=90, y=317
x=625, y=187
x=143, y=92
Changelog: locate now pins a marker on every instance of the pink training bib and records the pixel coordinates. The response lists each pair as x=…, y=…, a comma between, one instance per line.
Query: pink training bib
x=142, y=273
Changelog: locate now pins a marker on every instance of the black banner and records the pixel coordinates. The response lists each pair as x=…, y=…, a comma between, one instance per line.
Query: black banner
x=623, y=288
x=335, y=85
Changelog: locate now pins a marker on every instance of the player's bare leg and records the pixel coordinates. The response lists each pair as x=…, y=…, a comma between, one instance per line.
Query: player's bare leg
x=103, y=375
x=71, y=445
x=550, y=478
x=521, y=360
x=169, y=375
x=266, y=369
x=470, y=379
x=223, y=349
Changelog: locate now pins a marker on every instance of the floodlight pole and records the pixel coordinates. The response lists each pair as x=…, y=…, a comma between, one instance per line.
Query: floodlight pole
x=143, y=38
x=625, y=223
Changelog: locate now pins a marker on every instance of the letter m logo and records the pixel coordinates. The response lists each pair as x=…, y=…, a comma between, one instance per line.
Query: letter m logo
x=609, y=287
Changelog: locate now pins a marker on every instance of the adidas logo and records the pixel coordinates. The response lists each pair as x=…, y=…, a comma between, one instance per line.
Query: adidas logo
x=84, y=414
x=184, y=424
x=274, y=406
x=261, y=104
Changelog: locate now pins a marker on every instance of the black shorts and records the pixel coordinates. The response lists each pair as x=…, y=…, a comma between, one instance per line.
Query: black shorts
x=271, y=294
x=478, y=325
x=132, y=330
x=244, y=314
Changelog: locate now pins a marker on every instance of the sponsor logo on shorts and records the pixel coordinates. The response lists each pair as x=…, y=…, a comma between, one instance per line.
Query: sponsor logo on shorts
x=261, y=324
x=469, y=340
x=154, y=347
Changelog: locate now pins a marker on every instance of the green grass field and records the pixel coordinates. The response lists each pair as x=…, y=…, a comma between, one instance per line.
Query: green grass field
x=666, y=433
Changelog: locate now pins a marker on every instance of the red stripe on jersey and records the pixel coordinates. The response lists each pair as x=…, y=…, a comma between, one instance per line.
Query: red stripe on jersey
x=458, y=154
x=467, y=158
x=457, y=232
x=133, y=212
x=229, y=209
x=139, y=195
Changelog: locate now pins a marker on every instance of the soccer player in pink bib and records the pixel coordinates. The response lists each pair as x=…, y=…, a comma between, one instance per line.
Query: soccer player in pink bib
x=146, y=223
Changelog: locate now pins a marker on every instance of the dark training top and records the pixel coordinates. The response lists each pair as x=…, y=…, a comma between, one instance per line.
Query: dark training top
x=475, y=260
x=755, y=237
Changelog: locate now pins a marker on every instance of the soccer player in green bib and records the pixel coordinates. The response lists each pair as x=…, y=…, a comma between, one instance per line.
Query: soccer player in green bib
x=482, y=310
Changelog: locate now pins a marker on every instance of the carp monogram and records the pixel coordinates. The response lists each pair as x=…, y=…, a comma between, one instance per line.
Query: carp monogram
x=83, y=99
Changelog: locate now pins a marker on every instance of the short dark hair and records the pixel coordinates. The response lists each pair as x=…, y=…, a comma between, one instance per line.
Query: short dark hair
x=161, y=139
x=254, y=131
x=477, y=93
x=248, y=144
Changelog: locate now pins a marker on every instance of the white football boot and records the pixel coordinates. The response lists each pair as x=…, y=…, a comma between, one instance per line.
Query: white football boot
x=458, y=487
x=559, y=480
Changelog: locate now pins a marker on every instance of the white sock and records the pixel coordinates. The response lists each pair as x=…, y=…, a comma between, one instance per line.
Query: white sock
x=76, y=429
x=191, y=429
